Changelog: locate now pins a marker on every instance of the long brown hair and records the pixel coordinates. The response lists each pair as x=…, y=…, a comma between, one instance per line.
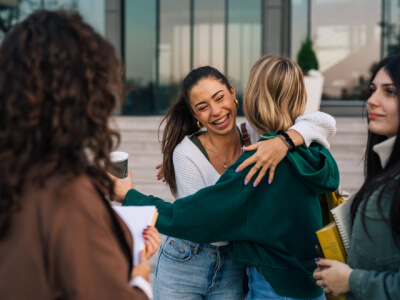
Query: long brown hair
x=180, y=121
x=379, y=179
x=59, y=83
x=275, y=94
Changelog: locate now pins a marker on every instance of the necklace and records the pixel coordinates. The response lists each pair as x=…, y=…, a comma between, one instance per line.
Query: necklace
x=224, y=163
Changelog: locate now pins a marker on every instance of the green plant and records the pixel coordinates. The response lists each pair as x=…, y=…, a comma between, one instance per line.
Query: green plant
x=306, y=57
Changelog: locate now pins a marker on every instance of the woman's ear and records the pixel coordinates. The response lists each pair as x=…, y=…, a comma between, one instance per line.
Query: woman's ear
x=232, y=91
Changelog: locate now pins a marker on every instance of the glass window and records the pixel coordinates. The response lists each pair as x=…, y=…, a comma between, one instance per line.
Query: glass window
x=92, y=11
x=174, y=49
x=346, y=49
x=391, y=27
x=244, y=41
x=299, y=25
x=209, y=34
x=140, y=56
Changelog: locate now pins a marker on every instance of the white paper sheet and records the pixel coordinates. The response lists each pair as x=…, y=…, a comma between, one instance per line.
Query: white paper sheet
x=137, y=218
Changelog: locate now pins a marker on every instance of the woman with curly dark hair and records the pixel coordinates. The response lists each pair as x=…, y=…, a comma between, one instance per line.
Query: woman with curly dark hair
x=59, y=237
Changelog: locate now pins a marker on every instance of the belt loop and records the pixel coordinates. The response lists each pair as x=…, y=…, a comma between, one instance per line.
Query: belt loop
x=195, y=249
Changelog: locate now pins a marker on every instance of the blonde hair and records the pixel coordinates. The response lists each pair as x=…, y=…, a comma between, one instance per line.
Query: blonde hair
x=275, y=94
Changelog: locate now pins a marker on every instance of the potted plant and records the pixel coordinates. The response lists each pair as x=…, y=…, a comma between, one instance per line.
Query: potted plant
x=313, y=79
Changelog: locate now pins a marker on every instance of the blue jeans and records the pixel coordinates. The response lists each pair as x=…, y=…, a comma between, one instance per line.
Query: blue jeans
x=186, y=270
x=259, y=287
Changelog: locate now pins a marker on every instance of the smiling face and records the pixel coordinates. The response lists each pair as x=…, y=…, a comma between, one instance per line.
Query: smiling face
x=214, y=106
x=382, y=105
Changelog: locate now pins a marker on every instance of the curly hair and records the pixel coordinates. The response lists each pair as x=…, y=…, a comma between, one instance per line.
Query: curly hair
x=59, y=83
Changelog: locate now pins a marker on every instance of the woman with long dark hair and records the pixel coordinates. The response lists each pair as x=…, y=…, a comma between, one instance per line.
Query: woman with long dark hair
x=373, y=262
x=59, y=236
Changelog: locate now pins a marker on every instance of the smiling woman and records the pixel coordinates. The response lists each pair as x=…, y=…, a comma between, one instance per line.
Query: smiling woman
x=214, y=106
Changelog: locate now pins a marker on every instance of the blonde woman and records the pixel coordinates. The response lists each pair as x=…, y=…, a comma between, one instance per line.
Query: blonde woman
x=271, y=227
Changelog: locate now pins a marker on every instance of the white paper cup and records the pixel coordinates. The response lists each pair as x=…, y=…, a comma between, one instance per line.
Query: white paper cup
x=119, y=164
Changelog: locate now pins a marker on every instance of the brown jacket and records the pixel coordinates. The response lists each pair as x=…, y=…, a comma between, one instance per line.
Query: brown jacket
x=61, y=245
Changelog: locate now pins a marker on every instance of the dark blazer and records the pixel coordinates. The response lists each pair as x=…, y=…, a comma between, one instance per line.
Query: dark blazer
x=62, y=244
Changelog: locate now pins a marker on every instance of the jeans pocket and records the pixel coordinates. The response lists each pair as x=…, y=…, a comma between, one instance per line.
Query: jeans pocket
x=176, y=250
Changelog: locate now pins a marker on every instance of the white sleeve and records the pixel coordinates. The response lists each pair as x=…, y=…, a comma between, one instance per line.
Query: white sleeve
x=315, y=127
x=141, y=283
x=188, y=177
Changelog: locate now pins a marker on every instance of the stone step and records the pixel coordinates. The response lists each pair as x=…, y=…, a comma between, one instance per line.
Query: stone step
x=139, y=137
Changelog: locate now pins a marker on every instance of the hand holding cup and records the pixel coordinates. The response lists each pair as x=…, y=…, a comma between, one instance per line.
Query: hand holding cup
x=121, y=186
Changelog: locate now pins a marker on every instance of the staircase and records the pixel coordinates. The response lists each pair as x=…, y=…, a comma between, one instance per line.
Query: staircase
x=348, y=147
x=139, y=138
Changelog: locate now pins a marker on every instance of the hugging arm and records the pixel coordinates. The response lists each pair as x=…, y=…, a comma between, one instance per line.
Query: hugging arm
x=212, y=214
x=312, y=127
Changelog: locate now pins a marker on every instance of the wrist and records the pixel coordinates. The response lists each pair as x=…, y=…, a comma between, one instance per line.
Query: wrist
x=296, y=137
x=347, y=278
x=286, y=139
x=283, y=142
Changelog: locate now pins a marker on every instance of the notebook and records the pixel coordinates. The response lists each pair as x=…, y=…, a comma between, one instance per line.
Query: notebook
x=331, y=244
x=137, y=218
x=341, y=215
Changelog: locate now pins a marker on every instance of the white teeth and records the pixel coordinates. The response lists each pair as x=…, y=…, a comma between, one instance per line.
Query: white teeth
x=221, y=121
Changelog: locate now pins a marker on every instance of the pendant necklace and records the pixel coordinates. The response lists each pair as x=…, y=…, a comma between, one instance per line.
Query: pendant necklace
x=225, y=163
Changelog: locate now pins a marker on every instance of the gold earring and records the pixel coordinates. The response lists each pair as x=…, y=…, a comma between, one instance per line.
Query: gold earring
x=199, y=124
x=236, y=103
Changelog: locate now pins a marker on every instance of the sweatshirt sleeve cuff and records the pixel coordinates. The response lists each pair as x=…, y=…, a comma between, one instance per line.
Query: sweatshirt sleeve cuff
x=133, y=197
x=355, y=281
x=141, y=283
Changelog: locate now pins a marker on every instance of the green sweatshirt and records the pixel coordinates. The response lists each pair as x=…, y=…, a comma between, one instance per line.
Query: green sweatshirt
x=271, y=227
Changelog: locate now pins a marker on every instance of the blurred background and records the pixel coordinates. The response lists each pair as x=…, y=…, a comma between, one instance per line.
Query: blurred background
x=162, y=40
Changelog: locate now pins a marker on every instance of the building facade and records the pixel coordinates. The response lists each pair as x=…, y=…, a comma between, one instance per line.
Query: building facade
x=160, y=41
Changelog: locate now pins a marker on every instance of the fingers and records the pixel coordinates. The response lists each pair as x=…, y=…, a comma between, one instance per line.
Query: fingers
x=250, y=175
x=246, y=163
x=152, y=240
x=113, y=178
x=324, y=262
x=142, y=257
x=317, y=274
x=320, y=282
x=271, y=173
x=252, y=147
x=269, y=154
x=142, y=268
x=160, y=173
x=260, y=176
